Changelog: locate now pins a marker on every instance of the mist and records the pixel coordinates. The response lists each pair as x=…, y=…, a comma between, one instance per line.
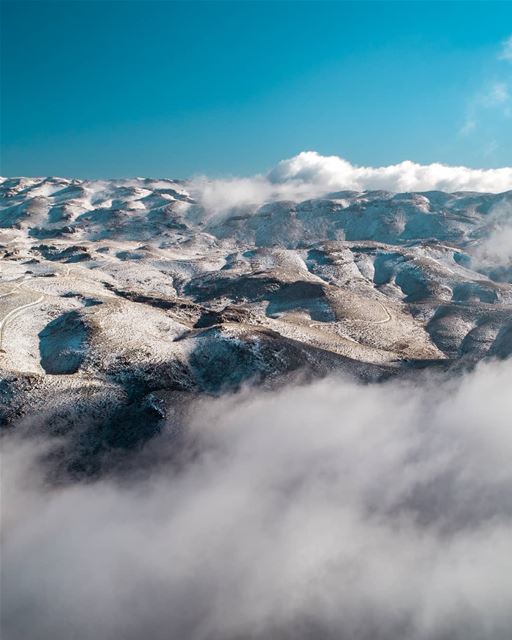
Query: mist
x=324, y=510
x=495, y=250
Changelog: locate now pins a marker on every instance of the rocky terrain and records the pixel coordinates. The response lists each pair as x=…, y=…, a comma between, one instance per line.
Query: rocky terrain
x=120, y=300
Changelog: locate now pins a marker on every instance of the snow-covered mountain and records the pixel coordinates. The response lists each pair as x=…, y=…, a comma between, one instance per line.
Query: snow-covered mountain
x=120, y=299
x=145, y=209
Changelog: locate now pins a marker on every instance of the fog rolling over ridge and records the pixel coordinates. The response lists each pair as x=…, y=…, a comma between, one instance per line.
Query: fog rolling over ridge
x=266, y=407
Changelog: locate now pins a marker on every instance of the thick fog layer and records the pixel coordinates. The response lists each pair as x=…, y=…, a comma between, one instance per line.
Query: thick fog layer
x=333, y=510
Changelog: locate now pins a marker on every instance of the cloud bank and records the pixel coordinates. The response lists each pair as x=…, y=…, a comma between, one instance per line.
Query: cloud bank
x=309, y=175
x=329, y=511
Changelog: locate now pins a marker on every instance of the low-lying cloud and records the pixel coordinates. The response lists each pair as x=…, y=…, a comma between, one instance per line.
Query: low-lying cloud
x=495, y=250
x=310, y=175
x=333, y=510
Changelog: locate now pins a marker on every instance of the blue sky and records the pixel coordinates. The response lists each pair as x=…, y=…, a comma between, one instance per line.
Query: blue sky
x=108, y=89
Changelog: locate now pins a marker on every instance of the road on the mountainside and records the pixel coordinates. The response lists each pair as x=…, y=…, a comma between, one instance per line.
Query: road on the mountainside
x=9, y=293
x=383, y=321
x=13, y=313
x=385, y=311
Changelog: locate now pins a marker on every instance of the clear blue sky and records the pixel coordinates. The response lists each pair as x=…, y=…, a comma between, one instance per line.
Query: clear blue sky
x=106, y=89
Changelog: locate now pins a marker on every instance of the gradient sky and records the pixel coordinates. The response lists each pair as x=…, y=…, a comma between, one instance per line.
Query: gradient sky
x=108, y=89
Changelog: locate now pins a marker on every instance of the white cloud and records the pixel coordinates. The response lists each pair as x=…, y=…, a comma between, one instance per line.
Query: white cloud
x=497, y=94
x=310, y=174
x=326, y=511
x=335, y=173
x=492, y=100
x=506, y=51
x=468, y=126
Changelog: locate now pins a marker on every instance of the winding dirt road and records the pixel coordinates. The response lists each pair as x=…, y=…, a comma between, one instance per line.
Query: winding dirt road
x=13, y=313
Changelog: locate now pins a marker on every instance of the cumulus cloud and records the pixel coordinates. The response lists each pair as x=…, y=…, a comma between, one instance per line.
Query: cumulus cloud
x=310, y=174
x=333, y=510
x=335, y=173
